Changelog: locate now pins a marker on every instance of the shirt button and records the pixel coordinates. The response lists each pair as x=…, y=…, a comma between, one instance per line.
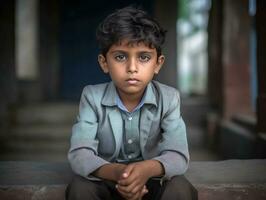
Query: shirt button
x=129, y=118
x=130, y=141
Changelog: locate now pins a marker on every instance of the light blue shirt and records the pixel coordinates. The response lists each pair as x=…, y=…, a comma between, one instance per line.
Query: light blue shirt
x=123, y=108
x=130, y=148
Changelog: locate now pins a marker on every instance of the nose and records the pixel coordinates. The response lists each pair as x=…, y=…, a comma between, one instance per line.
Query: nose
x=132, y=66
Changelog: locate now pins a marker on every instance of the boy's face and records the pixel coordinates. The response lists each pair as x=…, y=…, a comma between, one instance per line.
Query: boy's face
x=131, y=67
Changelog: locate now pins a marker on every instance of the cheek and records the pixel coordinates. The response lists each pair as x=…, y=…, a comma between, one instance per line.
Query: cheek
x=150, y=69
x=116, y=74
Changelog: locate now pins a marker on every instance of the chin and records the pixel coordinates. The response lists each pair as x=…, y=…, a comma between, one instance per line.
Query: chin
x=132, y=91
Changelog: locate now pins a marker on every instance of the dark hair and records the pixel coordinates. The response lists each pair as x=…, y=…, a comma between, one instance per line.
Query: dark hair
x=132, y=24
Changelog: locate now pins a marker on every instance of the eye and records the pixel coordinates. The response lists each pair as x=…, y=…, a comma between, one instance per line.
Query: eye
x=144, y=58
x=120, y=57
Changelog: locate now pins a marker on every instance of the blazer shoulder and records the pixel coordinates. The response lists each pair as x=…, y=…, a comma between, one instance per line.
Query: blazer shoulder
x=94, y=93
x=169, y=98
x=166, y=91
x=97, y=90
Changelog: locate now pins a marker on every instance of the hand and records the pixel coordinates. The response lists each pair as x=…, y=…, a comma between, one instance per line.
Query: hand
x=137, y=196
x=110, y=171
x=133, y=180
x=118, y=171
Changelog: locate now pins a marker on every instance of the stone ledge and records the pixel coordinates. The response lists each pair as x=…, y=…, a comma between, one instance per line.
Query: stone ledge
x=32, y=192
x=228, y=172
x=21, y=173
x=231, y=191
x=230, y=179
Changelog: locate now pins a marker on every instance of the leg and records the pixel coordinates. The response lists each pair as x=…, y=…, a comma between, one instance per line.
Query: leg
x=83, y=189
x=155, y=190
x=179, y=188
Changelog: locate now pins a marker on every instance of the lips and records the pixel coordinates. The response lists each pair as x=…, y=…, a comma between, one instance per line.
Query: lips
x=132, y=81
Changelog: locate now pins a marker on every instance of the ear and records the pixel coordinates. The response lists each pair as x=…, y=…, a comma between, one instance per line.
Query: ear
x=159, y=64
x=103, y=63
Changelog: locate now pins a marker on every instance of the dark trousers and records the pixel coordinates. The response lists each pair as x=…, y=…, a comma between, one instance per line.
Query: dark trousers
x=178, y=188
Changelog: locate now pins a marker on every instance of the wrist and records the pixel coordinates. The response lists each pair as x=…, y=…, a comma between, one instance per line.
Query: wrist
x=118, y=170
x=110, y=171
x=154, y=168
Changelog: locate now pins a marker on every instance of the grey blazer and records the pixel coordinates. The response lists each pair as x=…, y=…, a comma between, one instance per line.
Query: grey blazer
x=97, y=135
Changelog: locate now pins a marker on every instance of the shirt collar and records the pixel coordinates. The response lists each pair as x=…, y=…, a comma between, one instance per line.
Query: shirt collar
x=110, y=96
x=121, y=105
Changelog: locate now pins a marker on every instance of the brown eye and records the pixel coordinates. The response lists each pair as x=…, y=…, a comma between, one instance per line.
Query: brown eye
x=144, y=58
x=120, y=58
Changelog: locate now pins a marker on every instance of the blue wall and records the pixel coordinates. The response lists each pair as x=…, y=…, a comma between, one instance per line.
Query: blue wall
x=78, y=47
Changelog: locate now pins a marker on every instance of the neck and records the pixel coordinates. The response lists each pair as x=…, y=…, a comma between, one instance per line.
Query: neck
x=130, y=101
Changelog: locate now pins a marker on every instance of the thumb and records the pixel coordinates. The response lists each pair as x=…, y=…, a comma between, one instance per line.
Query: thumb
x=127, y=171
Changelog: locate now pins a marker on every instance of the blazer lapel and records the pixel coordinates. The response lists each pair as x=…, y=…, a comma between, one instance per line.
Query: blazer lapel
x=145, y=125
x=147, y=114
x=117, y=129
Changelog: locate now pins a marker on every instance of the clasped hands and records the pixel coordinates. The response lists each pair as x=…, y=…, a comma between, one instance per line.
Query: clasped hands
x=132, y=180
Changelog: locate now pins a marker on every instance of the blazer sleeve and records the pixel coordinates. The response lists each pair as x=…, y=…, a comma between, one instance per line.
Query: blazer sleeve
x=82, y=154
x=173, y=146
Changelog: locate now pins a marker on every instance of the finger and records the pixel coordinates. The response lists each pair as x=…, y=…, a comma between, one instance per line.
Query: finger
x=129, y=188
x=140, y=194
x=136, y=196
x=137, y=188
x=124, y=194
x=144, y=191
x=127, y=171
x=129, y=180
x=131, y=191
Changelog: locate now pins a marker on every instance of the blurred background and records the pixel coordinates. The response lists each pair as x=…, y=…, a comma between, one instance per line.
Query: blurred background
x=215, y=56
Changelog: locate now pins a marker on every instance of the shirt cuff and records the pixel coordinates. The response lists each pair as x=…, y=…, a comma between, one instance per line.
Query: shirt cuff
x=174, y=164
x=84, y=161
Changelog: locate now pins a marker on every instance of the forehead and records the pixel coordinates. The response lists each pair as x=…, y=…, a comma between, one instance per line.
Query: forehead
x=129, y=45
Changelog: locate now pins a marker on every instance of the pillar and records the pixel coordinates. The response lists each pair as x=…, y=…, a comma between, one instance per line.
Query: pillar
x=235, y=59
x=166, y=14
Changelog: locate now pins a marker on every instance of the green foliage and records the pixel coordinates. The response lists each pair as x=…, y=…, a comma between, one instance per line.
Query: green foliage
x=183, y=9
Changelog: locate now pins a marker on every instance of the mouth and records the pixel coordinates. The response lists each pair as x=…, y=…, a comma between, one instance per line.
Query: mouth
x=132, y=81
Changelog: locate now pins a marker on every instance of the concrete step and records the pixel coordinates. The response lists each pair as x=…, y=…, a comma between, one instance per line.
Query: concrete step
x=50, y=113
x=246, y=121
x=19, y=146
x=236, y=141
x=46, y=156
x=42, y=132
x=229, y=179
x=37, y=142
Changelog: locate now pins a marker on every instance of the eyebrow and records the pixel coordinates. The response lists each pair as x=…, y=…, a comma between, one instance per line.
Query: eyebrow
x=122, y=51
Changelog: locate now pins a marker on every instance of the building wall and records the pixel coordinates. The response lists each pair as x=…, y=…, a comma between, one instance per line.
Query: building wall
x=8, y=84
x=261, y=65
x=236, y=58
x=166, y=14
x=215, y=53
x=229, y=58
x=49, y=48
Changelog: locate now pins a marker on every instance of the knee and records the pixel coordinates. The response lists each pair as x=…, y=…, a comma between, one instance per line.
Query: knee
x=80, y=189
x=181, y=188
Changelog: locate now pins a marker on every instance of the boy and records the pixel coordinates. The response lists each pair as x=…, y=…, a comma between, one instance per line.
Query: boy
x=129, y=141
